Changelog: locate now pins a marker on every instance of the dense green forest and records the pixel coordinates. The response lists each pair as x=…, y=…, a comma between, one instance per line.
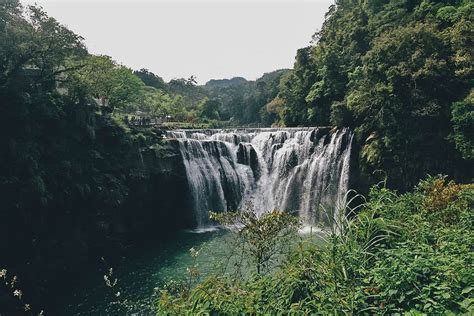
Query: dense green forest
x=400, y=73
x=247, y=102
x=224, y=103
x=221, y=103
x=82, y=174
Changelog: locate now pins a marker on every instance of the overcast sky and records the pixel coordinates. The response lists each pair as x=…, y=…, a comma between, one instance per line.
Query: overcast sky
x=208, y=39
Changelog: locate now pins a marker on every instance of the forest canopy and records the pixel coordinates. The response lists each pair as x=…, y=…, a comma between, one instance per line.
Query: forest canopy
x=400, y=74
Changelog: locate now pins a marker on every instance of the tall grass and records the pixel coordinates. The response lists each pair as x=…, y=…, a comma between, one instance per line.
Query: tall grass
x=410, y=253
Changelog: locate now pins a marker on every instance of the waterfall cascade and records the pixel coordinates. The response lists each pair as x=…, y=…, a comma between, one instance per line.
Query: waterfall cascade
x=305, y=170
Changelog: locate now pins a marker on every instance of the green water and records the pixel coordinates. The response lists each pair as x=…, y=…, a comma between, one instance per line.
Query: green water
x=143, y=270
x=147, y=267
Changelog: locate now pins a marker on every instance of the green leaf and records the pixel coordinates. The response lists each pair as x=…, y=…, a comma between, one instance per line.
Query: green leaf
x=467, y=290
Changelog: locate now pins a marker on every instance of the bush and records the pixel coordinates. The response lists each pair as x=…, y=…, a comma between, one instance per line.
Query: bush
x=409, y=253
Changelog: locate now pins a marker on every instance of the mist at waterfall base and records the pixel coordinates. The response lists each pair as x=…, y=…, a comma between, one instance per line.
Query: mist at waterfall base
x=299, y=170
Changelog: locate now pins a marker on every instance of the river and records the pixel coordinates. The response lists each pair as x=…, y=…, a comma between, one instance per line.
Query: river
x=141, y=270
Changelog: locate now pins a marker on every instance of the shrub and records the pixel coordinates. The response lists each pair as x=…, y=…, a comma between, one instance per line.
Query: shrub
x=409, y=253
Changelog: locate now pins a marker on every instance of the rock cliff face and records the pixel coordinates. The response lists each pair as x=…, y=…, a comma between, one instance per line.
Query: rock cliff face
x=119, y=190
x=123, y=187
x=158, y=198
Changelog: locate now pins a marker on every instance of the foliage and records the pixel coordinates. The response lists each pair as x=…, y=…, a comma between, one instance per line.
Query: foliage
x=71, y=173
x=209, y=109
x=245, y=102
x=409, y=253
x=263, y=238
x=150, y=79
x=463, y=121
x=111, y=84
x=27, y=47
x=232, y=102
x=74, y=178
x=400, y=74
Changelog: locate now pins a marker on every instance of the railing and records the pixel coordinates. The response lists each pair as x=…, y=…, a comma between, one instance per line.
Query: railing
x=143, y=121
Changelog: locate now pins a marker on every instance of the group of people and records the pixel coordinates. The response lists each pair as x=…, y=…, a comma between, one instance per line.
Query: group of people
x=140, y=121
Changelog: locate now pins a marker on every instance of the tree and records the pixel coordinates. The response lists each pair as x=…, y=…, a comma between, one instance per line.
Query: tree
x=127, y=89
x=397, y=72
x=36, y=46
x=402, y=96
x=209, y=108
x=112, y=84
x=463, y=121
x=156, y=103
x=294, y=87
x=150, y=79
x=265, y=237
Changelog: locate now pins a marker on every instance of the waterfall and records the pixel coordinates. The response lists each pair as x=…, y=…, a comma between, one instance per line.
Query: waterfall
x=303, y=170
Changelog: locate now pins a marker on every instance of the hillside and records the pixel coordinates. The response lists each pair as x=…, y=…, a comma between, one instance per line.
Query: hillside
x=400, y=74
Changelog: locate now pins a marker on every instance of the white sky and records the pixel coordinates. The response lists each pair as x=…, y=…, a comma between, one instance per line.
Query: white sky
x=208, y=39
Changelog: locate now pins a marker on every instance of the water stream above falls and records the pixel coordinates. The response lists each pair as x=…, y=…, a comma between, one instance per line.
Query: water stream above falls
x=303, y=170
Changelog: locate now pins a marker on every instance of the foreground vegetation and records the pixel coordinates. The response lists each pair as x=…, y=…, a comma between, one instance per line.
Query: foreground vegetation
x=410, y=253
